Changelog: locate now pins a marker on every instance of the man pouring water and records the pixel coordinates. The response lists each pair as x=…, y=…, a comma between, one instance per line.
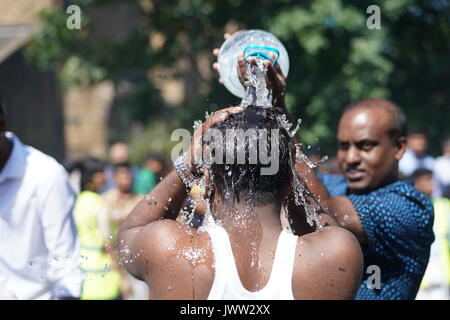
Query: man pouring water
x=390, y=218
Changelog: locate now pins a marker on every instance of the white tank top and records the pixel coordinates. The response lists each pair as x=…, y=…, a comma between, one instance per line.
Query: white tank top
x=227, y=284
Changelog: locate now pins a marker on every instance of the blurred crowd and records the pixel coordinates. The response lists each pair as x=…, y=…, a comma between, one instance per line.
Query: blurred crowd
x=106, y=193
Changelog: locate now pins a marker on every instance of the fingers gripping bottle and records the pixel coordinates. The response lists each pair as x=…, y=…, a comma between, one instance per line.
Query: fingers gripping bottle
x=252, y=43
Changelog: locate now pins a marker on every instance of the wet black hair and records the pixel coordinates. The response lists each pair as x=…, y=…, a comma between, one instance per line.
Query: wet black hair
x=244, y=182
x=88, y=167
x=399, y=127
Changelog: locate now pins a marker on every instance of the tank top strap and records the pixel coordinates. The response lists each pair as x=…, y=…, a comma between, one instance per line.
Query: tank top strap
x=224, y=265
x=283, y=263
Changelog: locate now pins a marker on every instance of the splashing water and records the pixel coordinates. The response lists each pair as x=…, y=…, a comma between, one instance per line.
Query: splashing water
x=247, y=221
x=257, y=94
x=197, y=124
x=208, y=219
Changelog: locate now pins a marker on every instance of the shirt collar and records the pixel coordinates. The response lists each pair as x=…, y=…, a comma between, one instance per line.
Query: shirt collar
x=15, y=165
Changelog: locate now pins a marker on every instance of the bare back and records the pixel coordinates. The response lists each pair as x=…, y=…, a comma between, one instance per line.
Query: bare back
x=177, y=262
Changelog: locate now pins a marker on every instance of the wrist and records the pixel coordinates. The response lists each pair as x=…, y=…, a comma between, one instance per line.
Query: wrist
x=187, y=171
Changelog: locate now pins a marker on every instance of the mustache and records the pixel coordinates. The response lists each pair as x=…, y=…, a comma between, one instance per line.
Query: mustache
x=354, y=168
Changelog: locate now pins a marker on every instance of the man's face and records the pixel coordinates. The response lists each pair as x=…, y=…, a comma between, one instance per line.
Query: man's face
x=367, y=156
x=123, y=179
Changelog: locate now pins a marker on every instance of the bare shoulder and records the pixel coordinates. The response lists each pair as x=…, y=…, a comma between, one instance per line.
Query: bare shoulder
x=174, y=259
x=164, y=236
x=329, y=264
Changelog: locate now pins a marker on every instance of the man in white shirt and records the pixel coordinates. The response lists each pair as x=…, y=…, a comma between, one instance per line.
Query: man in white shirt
x=39, y=251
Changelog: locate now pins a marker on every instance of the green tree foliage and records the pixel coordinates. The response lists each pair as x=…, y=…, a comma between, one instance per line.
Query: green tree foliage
x=335, y=59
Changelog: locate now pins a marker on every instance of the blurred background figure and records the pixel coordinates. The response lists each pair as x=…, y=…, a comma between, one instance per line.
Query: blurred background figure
x=442, y=171
x=149, y=176
x=73, y=170
x=102, y=279
x=118, y=153
x=39, y=257
x=436, y=281
x=118, y=203
x=416, y=156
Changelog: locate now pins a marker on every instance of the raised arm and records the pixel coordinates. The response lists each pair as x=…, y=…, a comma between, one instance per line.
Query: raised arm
x=165, y=200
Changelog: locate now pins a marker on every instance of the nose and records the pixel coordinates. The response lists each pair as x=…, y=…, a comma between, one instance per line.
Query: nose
x=353, y=156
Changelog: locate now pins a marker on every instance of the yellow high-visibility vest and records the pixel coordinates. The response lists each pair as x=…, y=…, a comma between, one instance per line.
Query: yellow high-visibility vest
x=442, y=220
x=441, y=232
x=101, y=282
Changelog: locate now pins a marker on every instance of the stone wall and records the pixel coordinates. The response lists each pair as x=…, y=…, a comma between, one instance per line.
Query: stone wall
x=86, y=114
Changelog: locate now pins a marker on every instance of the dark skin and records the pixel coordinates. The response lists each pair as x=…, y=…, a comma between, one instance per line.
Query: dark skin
x=157, y=244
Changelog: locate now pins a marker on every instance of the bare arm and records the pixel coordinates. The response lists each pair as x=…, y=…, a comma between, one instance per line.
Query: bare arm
x=165, y=200
x=334, y=210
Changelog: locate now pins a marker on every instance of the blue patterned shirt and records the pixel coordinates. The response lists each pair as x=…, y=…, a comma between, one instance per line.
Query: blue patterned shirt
x=398, y=222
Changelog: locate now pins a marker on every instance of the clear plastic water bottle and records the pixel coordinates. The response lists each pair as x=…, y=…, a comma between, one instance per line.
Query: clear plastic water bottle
x=252, y=43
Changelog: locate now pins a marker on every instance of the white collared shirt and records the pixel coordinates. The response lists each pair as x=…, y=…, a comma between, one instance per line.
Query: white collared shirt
x=410, y=163
x=39, y=250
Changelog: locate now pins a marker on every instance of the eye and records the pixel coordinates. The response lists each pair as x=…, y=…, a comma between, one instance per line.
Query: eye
x=367, y=145
x=343, y=145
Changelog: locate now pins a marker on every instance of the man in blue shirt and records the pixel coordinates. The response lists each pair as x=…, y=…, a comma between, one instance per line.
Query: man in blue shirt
x=391, y=219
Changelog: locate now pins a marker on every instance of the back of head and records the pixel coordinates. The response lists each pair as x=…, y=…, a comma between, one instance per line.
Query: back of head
x=248, y=139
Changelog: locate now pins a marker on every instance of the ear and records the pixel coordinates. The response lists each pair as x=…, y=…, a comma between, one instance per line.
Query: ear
x=402, y=144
